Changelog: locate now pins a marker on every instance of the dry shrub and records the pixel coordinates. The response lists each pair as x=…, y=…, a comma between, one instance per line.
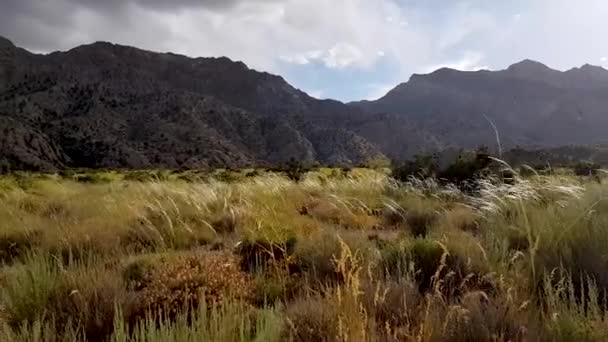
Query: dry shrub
x=461, y=218
x=88, y=302
x=393, y=304
x=276, y=285
x=315, y=255
x=395, y=259
x=476, y=317
x=225, y=223
x=257, y=255
x=189, y=279
x=420, y=222
x=433, y=265
x=312, y=319
x=78, y=299
x=160, y=229
x=575, y=311
x=15, y=245
x=340, y=213
x=136, y=272
x=76, y=251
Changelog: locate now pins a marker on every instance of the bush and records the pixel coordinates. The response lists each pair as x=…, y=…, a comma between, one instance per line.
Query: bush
x=466, y=169
x=191, y=279
x=419, y=222
x=93, y=178
x=295, y=170
x=586, y=168
x=16, y=245
x=312, y=319
x=258, y=254
x=423, y=166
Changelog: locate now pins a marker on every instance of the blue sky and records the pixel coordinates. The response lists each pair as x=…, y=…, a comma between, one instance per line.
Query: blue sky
x=342, y=49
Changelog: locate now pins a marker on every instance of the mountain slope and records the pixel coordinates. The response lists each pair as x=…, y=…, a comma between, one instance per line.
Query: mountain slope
x=106, y=105
x=530, y=104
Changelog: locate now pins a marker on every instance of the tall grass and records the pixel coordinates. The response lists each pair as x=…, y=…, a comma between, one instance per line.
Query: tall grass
x=337, y=257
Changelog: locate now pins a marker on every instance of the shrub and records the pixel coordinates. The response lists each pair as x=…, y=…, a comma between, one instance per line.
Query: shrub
x=135, y=273
x=191, y=279
x=295, y=170
x=258, y=254
x=423, y=166
x=93, y=178
x=87, y=301
x=429, y=259
x=316, y=254
x=27, y=290
x=392, y=303
x=312, y=319
x=395, y=261
x=586, y=168
x=466, y=169
x=16, y=245
x=419, y=222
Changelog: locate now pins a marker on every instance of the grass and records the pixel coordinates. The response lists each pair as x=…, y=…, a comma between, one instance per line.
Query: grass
x=336, y=256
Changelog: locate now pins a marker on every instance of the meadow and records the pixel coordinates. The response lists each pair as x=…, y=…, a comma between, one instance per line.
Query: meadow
x=334, y=255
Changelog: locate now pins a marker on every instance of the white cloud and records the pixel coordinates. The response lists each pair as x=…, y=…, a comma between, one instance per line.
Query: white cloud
x=470, y=61
x=303, y=58
x=342, y=55
x=345, y=35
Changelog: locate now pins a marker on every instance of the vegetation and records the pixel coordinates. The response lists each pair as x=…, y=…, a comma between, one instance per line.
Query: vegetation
x=329, y=255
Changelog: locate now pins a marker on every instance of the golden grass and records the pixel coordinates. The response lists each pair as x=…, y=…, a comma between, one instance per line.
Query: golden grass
x=346, y=257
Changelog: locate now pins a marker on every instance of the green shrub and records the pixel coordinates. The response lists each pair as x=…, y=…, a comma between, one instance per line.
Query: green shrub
x=423, y=166
x=586, y=168
x=466, y=169
x=27, y=290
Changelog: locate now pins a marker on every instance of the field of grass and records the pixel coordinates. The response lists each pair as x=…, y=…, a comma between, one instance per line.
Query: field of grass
x=340, y=255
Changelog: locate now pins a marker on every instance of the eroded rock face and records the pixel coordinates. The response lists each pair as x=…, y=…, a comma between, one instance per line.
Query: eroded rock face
x=531, y=105
x=22, y=147
x=105, y=105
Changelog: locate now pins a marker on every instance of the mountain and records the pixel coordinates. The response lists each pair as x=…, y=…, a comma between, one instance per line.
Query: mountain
x=530, y=104
x=106, y=105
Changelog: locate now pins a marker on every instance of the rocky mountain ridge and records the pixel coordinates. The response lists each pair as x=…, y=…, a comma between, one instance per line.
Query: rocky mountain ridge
x=107, y=105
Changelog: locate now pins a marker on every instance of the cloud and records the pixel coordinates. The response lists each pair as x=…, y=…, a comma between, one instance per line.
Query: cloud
x=342, y=55
x=339, y=34
x=359, y=37
x=470, y=61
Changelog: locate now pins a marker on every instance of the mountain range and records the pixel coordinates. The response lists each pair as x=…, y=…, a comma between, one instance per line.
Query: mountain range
x=107, y=105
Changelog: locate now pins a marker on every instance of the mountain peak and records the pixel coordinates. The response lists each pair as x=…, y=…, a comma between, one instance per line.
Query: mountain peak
x=5, y=43
x=588, y=68
x=529, y=65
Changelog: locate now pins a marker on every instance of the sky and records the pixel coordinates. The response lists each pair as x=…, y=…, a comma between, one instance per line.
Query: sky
x=342, y=49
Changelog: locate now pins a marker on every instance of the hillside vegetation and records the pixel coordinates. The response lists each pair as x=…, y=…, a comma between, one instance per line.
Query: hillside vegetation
x=104, y=105
x=338, y=255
